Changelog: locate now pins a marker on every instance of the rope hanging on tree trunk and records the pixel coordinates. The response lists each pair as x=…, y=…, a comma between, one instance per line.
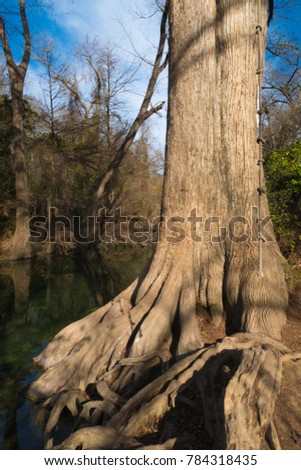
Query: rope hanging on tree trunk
x=260, y=141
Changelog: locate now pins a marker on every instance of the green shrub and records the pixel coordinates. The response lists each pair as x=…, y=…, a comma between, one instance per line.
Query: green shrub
x=283, y=177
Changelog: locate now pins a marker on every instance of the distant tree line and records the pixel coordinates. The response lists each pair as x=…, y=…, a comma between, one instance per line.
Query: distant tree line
x=73, y=142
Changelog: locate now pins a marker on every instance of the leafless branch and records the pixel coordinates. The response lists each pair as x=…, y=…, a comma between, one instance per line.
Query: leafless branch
x=144, y=113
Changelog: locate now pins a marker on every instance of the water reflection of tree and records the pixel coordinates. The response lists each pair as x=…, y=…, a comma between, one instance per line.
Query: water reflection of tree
x=109, y=274
x=37, y=298
x=19, y=274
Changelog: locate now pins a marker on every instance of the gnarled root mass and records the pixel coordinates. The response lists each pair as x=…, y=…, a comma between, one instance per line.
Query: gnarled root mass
x=237, y=381
x=122, y=368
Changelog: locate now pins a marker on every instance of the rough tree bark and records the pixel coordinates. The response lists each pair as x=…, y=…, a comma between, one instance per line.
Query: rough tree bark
x=106, y=367
x=18, y=247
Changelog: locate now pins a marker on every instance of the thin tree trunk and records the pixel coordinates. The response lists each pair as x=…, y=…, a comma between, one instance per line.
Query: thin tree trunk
x=18, y=247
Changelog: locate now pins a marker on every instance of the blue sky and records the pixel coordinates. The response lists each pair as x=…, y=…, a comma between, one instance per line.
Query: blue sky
x=71, y=22
x=291, y=24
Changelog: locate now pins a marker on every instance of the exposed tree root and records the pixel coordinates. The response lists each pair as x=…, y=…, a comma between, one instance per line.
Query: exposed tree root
x=168, y=445
x=97, y=438
x=241, y=414
x=134, y=357
x=136, y=324
x=70, y=400
x=238, y=381
x=66, y=340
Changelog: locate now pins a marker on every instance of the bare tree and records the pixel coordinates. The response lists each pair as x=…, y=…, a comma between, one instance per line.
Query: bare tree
x=282, y=93
x=53, y=89
x=18, y=247
x=145, y=112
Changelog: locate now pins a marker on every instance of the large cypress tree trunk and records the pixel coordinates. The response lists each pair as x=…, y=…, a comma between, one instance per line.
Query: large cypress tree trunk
x=211, y=172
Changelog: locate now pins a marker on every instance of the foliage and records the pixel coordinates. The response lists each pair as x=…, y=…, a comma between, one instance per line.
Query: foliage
x=7, y=180
x=283, y=175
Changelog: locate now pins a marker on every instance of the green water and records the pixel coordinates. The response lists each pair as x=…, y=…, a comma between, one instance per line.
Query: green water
x=37, y=299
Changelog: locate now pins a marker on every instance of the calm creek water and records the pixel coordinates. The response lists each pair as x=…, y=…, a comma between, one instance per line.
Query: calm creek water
x=37, y=299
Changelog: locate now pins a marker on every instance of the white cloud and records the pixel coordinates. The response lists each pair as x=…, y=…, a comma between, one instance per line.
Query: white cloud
x=89, y=17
